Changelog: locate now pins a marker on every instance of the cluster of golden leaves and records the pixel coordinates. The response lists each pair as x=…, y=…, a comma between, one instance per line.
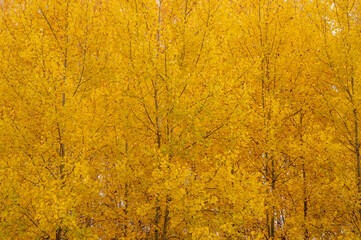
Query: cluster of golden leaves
x=180, y=119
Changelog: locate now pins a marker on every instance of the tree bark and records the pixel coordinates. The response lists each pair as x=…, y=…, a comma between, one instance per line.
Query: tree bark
x=357, y=153
x=305, y=202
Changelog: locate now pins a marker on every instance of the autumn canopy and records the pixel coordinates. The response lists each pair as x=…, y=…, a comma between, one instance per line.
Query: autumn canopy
x=180, y=119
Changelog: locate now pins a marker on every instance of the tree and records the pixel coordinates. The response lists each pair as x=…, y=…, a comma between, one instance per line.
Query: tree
x=179, y=119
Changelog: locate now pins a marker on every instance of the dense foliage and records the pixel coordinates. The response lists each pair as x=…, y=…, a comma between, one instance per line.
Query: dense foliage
x=180, y=119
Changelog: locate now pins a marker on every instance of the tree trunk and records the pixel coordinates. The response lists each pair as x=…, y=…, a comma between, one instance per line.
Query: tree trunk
x=166, y=221
x=58, y=234
x=357, y=152
x=305, y=202
x=273, y=186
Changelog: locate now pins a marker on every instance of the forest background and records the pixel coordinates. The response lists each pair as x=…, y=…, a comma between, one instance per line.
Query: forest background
x=180, y=119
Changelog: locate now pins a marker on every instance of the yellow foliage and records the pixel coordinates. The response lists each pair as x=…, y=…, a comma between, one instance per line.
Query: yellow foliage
x=180, y=119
